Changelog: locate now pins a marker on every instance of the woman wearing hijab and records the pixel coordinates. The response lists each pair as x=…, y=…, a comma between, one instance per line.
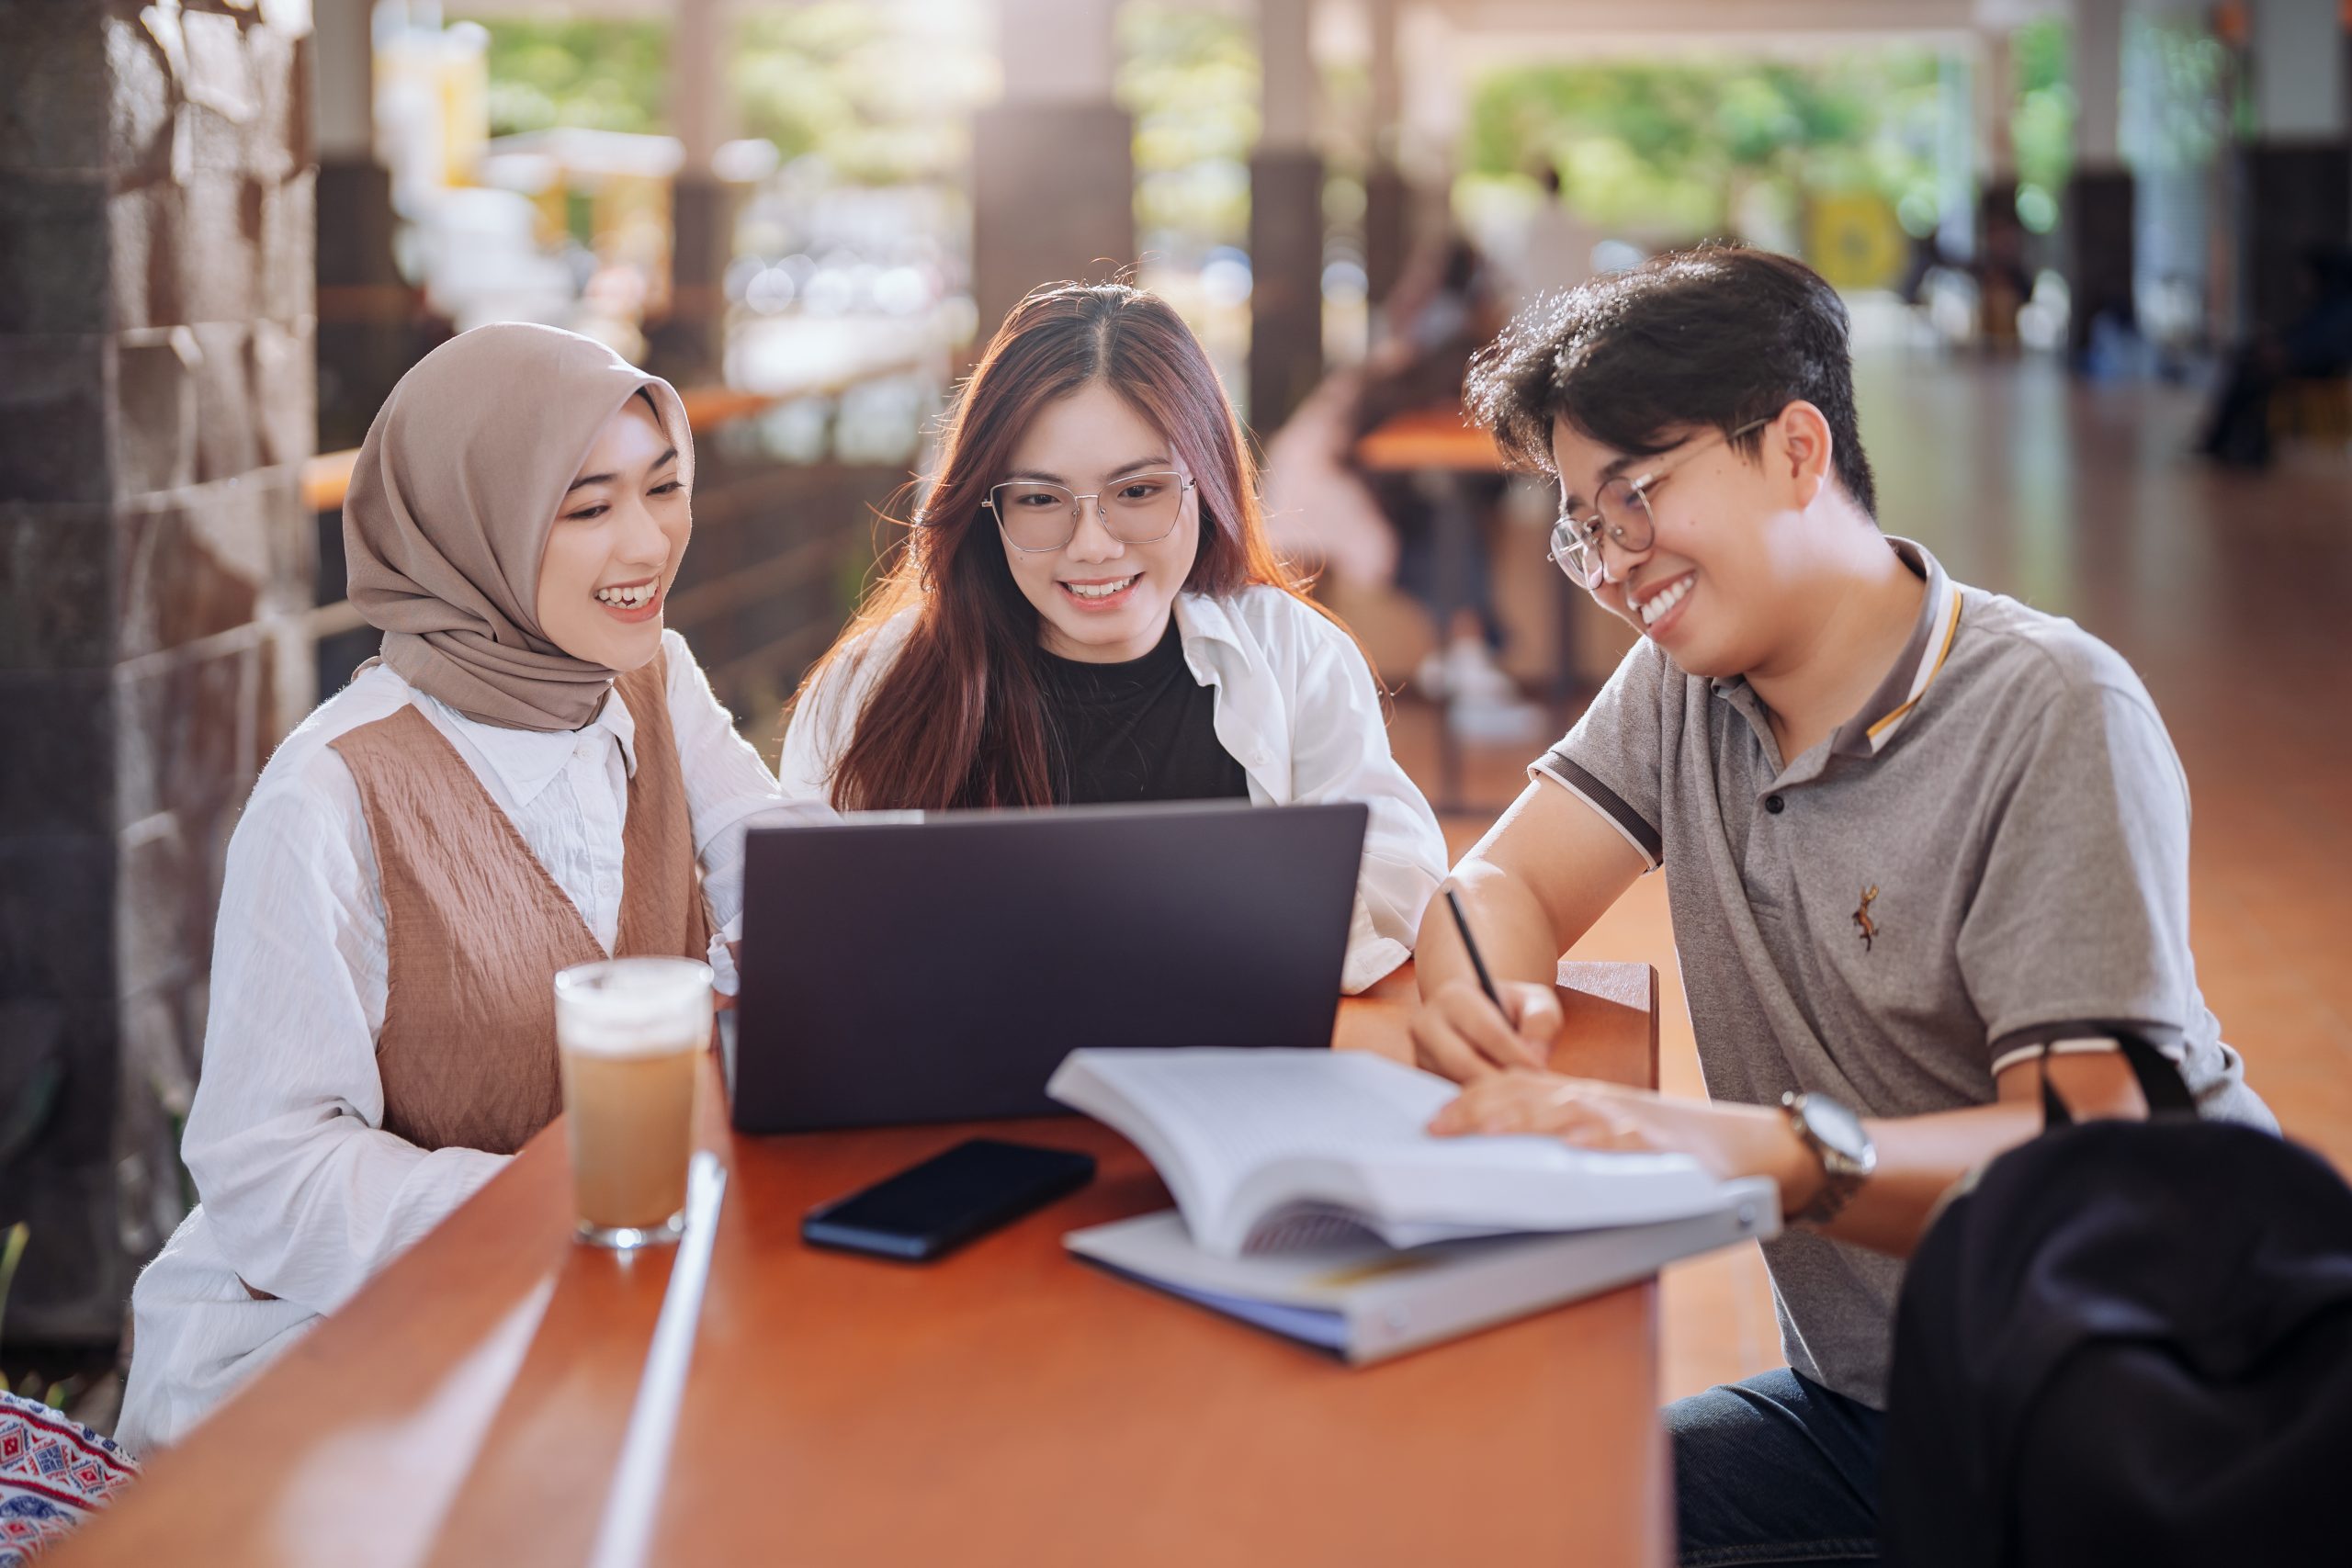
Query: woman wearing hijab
x=534, y=773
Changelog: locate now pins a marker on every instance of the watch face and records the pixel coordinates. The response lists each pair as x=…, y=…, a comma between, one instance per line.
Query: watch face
x=1837, y=1128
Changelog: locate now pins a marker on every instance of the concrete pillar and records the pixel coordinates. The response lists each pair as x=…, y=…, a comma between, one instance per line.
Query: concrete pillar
x=688, y=345
x=1995, y=78
x=368, y=319
x=1388, y=200
x=1956, y=157
x=2099, y=205
x=156, y=402
x=2295, y=174
x=2175, y=228
x=1285, y=218
x=2298, y=76
x=2006, y=264
x=1053, y=163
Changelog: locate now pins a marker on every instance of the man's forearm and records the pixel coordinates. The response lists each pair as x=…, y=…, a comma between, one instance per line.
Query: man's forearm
x=1919, y=1157
x=1513, y=932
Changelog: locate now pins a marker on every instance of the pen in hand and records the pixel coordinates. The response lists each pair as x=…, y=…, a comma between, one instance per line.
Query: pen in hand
x=1470, y=945
x=1479, y=963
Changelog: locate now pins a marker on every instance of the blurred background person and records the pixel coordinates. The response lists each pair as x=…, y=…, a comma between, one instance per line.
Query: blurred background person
x=2314, y=346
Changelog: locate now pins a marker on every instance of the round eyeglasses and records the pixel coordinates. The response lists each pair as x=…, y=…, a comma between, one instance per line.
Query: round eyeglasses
x=1621, y=515
x=1137, y=509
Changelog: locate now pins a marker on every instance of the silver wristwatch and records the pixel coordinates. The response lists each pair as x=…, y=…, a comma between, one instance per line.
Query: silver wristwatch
x=1842, y=1144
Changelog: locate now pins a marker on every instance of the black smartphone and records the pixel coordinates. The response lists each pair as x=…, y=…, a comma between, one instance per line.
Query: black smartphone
x=928, y=1210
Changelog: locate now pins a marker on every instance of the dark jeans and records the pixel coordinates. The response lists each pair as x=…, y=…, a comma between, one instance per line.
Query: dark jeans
x=1443, y=548
x=1775, y=1469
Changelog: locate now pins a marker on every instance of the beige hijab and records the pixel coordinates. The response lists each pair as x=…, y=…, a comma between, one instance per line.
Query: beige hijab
x=447, y=515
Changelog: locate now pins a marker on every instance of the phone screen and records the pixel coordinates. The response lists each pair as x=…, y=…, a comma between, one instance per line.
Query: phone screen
x=929, y=1209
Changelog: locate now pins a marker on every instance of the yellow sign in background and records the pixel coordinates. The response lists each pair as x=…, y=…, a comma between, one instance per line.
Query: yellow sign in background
x=1854, y=240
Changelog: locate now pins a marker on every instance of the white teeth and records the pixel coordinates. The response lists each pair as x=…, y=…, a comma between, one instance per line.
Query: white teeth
x=1098, y=590
x=628, y=598
x=1658, y=604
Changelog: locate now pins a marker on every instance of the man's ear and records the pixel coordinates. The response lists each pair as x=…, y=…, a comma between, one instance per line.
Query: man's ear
x=1805, y=450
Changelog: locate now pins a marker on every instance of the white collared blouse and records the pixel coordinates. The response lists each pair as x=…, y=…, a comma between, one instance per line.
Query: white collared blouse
x=304, y=1195
x=1296, y=705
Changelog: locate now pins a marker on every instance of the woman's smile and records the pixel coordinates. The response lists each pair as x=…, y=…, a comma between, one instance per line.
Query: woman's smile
x=633, y=601
x=1096, y=596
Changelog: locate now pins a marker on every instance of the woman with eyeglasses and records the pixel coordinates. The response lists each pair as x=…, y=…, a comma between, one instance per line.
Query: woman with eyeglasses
x=1086, y=611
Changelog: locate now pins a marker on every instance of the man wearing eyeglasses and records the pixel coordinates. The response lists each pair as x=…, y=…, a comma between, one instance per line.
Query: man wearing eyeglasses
x=1915, y=834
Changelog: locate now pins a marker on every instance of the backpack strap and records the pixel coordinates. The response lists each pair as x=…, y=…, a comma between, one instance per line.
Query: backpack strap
x=2053, y=1109
x=2161, y=1084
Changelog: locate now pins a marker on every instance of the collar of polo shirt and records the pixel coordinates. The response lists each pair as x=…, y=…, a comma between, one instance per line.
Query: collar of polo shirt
x=1907, y=680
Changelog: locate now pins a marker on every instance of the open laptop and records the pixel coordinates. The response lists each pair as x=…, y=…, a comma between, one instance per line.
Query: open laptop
x=939, y=969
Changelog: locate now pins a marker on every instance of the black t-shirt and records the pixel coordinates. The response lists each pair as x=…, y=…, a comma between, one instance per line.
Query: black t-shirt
x=1141, y=730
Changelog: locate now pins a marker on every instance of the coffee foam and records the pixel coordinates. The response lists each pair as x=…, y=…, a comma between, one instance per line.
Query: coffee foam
x=633, y=1007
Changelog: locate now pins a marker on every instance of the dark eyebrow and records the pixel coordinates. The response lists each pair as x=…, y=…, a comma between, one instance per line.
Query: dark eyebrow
x=1044, y=478
x=585, y=480
x=1571, y=501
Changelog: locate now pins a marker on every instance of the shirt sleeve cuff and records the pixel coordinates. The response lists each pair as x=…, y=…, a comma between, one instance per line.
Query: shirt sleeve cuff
x=1368, y=962
x=1631, y=825
x=723, y=979
x=2079, y=1036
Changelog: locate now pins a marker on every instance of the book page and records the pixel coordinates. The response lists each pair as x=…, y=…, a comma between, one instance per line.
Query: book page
x=1207, y=1118
x=1234, y=1111
x=1246, y=1137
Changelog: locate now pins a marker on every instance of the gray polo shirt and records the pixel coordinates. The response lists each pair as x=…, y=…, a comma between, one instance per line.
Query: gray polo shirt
x=1993, y=854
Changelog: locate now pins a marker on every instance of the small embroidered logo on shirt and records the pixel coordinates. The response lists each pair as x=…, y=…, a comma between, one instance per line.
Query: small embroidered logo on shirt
x=1862, y=918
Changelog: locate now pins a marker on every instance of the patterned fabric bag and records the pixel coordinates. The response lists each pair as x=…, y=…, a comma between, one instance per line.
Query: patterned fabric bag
x=53, y=1472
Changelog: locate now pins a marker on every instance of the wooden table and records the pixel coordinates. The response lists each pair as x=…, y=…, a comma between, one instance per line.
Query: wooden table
x=1007, y=1406
x=1424, y=439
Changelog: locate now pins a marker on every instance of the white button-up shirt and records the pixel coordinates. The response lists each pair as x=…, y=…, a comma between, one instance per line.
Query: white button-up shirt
x=1296, y=705
x=304, y=1194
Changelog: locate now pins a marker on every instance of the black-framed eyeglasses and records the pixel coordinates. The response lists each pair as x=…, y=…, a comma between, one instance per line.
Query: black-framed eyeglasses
x=1139, y=508
x=1621, y=515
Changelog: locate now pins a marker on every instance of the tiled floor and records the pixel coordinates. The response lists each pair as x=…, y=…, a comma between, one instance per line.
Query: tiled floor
x=2232, y=596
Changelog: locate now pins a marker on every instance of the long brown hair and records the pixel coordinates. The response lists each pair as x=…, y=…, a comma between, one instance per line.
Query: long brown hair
x=958, y=719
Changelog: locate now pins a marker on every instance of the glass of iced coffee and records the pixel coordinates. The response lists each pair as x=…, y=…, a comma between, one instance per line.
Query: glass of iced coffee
x=631, y=1033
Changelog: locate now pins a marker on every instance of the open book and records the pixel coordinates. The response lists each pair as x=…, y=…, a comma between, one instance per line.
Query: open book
x=1270, y=1150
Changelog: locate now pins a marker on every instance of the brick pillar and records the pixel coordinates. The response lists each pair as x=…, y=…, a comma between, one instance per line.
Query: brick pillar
x=2297, y=199
x=156, y=402
x=1388, y=197
x=688, y=345
x=1286, y=287
x=372, y=325
x=2100, y=198
x=1285, y=218
x=2098, y=219
x=2296, y=172
x=1053, y=164
x=688, y=342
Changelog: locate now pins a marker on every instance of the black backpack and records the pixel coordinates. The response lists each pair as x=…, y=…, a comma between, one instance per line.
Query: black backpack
x=2130, y=1342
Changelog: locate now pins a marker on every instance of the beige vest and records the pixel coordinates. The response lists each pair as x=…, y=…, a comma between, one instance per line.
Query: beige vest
x=476, y=928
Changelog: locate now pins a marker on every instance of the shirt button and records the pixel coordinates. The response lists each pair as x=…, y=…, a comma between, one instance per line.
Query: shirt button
x=1775, y=805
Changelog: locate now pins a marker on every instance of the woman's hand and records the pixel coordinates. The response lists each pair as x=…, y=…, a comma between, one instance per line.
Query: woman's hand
x=1459, y=1033
x=1729, y=1140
